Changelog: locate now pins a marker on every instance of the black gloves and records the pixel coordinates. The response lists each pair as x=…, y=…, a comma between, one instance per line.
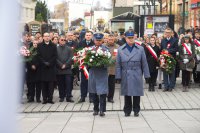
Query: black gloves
x=47, y=64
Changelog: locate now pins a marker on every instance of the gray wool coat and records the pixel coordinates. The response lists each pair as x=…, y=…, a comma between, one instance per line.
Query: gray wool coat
x=65, y=55
x=98, y=79
x=130, y=68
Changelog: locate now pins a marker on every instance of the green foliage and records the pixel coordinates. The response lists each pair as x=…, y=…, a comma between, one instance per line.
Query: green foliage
x=39, y=17
x=33, y=53
x=41, y=11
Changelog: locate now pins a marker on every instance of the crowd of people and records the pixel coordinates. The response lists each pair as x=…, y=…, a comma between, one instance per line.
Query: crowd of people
x=52, y=67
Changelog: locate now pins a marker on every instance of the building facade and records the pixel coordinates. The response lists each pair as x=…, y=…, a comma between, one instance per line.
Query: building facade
x=27, y=12
x=61, y=11
x=192, y=12
x=139, y=7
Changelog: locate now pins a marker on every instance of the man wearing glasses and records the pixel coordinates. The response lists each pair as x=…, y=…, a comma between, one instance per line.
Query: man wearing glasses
x=64, y=71
x=73, y=44
x=170, y=44
x=131, y=63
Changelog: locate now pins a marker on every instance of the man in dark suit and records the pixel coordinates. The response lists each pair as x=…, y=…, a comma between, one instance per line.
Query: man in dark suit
x=170, y=44
x=47, y=55
x=87, y=42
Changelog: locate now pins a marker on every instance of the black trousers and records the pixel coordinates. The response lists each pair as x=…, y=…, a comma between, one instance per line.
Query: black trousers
x=64, y=85
x=99, y=102
x=111, y=86
x=128, y=105
x=196, y=75
x=152, y=79
x=47, y=90
x=185, y=77
x=84, y=86
x=34, y=88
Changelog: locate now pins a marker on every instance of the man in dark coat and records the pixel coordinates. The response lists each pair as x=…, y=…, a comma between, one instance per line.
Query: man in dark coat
x=64, y=72
x=131, y=64
x=47, y=54
x=87, y=42
x=74, y=45
x=170, y=44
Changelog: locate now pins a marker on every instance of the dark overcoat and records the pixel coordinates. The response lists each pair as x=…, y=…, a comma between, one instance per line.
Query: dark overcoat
x=47, y=54
x=32, y=75
x=152, y=62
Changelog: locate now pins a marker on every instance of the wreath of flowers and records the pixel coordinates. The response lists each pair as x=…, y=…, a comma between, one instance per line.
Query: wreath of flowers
x=167, y=62
x=92, y=57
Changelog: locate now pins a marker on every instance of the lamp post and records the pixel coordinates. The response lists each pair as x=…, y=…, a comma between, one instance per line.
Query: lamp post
x=183, y=18
x=91, y=15
x=170, y=6
x=47, y=1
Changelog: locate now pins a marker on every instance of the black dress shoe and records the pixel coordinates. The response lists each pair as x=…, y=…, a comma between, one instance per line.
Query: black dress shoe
x=91, y=101
x=165, y=90
x=102, y=114
x=44, y=102
x=61, y=100
x=170, y=90
x=69, y=100
x=38, y=101
x=51, y=102
x=95, y=113
x=153, y=88
x=30, y=100
x=127, y=114
x=160, y=86
x=136, y=114
x=110, y=101
x=81, y=100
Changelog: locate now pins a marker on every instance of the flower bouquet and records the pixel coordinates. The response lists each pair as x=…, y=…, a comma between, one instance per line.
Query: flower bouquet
x=167, y=62
x=28, y=54
x=92, y=57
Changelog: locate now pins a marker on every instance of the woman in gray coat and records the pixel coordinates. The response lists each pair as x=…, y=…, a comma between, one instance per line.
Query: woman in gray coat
x=130, y=65
x=186, y=60
x=98, y=81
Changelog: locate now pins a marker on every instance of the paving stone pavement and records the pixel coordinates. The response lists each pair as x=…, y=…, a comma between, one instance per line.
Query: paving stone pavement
x=163, y=121
x=158, y=100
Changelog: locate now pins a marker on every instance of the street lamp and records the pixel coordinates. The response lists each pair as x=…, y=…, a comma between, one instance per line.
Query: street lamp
x=183, y=18
x=91, y=15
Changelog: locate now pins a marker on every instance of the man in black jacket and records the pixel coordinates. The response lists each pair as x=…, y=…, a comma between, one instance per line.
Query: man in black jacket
x=73, y=44
x=170, y=44
x=47, y=55
x=87, y=42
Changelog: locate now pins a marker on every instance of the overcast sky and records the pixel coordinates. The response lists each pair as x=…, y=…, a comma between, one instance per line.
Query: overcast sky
x=77, y=10
x=52, y=3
